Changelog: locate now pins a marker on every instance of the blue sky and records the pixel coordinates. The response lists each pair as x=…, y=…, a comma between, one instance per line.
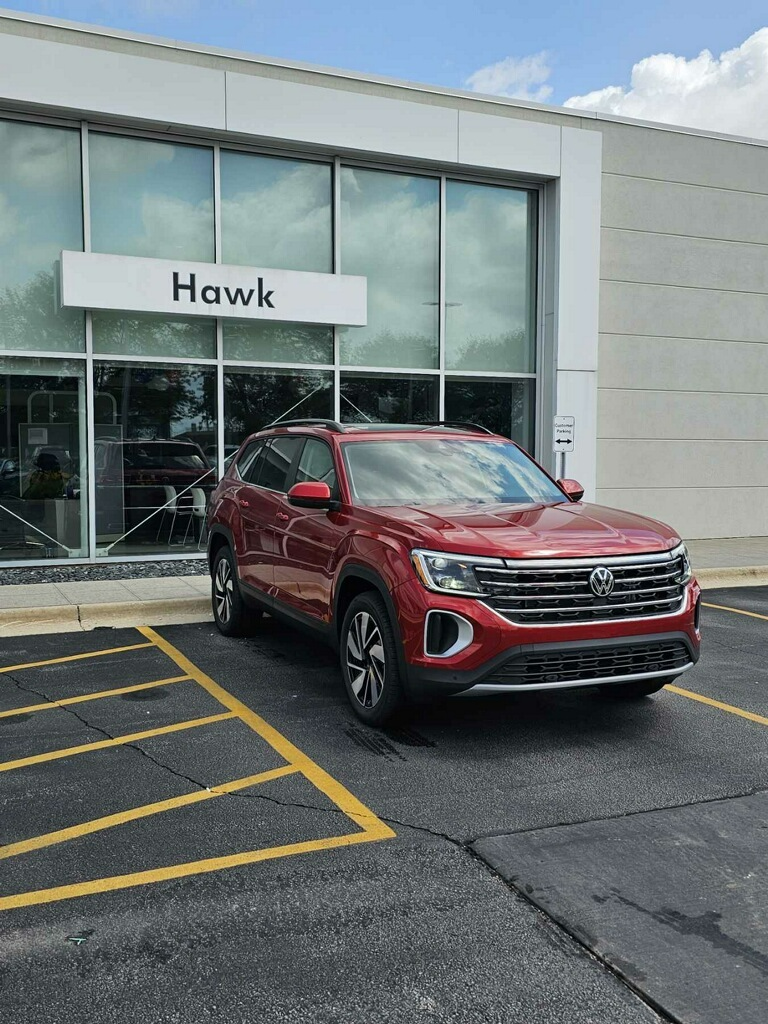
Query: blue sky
x=590, y=44
x=688, y=62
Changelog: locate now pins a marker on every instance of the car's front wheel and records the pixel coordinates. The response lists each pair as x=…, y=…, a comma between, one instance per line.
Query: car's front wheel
x=638, y=689
x=230, y=612
x=369, y=660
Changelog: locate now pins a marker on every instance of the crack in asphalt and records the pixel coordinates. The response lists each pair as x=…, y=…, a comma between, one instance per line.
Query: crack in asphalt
x=464, y=846
x=754, y=791
x=214, y=789
x=103, y=732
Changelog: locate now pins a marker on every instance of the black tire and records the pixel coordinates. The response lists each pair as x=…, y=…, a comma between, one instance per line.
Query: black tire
x=230, y=612
x=369, y=660
x=634, y=691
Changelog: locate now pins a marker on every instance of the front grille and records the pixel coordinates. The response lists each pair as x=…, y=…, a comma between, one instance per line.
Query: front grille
x=583, y=664
x=559, y=592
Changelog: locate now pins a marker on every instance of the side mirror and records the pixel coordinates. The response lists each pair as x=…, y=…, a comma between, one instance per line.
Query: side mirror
x=312, y=494
x=572, y=488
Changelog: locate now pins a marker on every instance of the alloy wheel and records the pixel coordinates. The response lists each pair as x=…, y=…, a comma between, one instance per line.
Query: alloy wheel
x=365, y=659
x=222, y=591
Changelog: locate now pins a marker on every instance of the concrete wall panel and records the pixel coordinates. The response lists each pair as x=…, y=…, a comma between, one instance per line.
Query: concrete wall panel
x=641, y=204
x=682, y=415
x=711, y=464
x=665, y=312
x=685, y=262
x=676, y=156
x=698, y=513
x=681, y=364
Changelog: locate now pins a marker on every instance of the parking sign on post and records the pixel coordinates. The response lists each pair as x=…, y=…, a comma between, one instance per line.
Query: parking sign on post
x=562, y=433
x=563, y=428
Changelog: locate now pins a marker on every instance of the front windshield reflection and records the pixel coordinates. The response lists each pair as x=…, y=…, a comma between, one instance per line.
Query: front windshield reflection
x=440, y=471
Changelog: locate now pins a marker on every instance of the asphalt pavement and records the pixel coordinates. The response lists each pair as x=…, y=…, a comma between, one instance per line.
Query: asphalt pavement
x=221, y=840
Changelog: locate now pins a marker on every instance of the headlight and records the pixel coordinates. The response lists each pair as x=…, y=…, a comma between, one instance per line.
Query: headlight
x=451, y=574
x=686, y=575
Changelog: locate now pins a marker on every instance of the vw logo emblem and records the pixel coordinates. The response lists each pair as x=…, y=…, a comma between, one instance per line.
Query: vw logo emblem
x=601, y=581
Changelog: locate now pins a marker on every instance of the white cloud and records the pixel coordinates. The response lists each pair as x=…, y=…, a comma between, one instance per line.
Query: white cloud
x=523, y=78
x=727, y=94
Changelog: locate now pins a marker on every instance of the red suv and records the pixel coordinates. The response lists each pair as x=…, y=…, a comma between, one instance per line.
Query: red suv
x=441, y=559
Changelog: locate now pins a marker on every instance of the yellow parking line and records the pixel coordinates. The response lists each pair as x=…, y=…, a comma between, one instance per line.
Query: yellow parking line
x=372, y=827
x=760, y=719
x=110, y=820
x=737, y=611
x=73, y=657
x=197, y=867
x=334, y=790
x=84, y=748
x=92, y=696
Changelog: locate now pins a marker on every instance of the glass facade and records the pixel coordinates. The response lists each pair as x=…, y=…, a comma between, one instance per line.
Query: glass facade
x=114, y=426
x=390, y=235
x=41, y=213
x=43, y=465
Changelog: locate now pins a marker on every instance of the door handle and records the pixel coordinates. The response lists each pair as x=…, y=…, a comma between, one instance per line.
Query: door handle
x=283, y=517
x=244, y=503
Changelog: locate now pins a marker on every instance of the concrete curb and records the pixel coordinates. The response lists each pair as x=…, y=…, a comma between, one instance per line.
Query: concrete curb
x=75, y=617
x=733, y=576
x=67, y=618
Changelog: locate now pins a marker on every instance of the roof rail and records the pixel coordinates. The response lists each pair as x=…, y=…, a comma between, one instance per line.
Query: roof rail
x=337, y=428
x=459, y=424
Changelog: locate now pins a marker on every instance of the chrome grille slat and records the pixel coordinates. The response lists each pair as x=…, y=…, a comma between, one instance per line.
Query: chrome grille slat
x=561, y=593
x=565, y=583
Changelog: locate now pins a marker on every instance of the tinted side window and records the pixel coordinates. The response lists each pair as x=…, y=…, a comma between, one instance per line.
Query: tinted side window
x=276, y=462
x=316, y=464
x=247, y=461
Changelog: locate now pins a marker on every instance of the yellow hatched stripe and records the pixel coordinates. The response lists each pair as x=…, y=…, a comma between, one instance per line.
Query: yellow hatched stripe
x=198, y=867
x=111, y=820
x=84, y=748
x=334, y=790
x=92, y=696
x=73, y=657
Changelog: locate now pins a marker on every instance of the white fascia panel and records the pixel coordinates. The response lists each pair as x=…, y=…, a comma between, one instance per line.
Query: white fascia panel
x=509, y=144
x=291, y=111
x=576, y=297
x=82, y=78
x=577, y=397
x=579, y=250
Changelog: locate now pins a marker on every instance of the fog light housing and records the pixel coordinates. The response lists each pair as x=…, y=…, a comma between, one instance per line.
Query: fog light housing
x=446, y=634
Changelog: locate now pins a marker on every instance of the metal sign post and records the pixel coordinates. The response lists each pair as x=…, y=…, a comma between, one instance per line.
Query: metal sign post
x=563, y=429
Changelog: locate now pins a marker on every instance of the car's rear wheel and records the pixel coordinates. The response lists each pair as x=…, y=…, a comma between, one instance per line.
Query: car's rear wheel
x=230, y=612
x=369, y=660
x=636, y=690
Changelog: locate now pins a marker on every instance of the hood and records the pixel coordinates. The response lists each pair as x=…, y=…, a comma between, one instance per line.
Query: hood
x=575, y=530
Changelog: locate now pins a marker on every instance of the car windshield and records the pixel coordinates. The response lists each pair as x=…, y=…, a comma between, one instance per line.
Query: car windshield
x=442, y=471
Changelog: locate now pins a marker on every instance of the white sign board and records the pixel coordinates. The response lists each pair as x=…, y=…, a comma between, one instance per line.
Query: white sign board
x=91, y=280
x=562, y=433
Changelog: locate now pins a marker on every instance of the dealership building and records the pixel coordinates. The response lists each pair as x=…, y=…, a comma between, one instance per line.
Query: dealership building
x=195, y=243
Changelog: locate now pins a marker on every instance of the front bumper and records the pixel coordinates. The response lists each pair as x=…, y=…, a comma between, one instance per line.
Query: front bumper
x=505, y=656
